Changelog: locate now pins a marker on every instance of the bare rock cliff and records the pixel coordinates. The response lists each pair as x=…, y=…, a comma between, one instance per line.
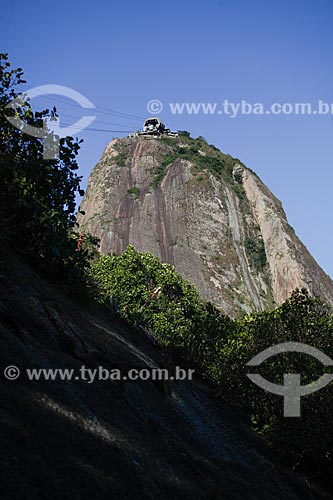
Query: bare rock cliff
x=204, y=212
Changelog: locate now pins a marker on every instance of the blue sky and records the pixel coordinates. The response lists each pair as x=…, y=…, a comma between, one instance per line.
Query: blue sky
x=120, y=55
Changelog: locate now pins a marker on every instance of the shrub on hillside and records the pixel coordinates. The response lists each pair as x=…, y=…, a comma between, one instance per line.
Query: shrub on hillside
x=154, y=295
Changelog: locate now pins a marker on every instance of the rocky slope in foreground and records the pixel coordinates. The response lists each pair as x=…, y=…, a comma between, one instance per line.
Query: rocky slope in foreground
x=107, y=440
x=204, y=212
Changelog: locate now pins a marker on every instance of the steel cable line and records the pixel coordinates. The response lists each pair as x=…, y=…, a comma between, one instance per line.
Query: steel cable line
x=98, y=109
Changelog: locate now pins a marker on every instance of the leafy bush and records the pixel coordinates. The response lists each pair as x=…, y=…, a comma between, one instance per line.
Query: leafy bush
x=255, y=249
x=134, y=190
x=154, y=295
x=132, y=278
x=121, y=158
x=304, y=443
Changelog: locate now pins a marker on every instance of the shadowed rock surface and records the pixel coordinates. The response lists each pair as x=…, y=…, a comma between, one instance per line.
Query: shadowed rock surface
x=131, y=440
x=227, y=234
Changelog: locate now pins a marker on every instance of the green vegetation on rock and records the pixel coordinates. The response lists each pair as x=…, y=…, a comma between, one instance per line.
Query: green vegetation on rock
x=134, y=190
x=203, y=157
x=153, y=295
x=161, y=170
x=255, y=249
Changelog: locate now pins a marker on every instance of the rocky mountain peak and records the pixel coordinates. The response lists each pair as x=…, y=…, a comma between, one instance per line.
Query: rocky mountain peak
x=204, y=212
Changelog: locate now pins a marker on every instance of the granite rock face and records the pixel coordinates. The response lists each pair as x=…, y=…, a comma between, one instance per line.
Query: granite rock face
x=205, y=213
x=75, y=440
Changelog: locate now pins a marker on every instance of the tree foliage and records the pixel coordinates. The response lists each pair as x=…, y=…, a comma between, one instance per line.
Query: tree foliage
x=219, y=348
x=152, y=294
x=37, y=196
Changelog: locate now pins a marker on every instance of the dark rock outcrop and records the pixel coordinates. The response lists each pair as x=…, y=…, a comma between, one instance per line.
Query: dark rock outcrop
x=72, y=440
